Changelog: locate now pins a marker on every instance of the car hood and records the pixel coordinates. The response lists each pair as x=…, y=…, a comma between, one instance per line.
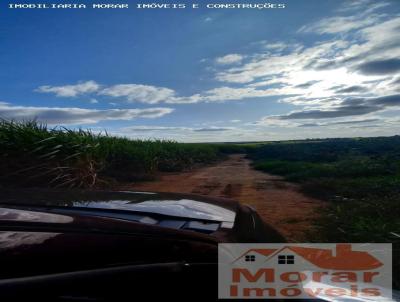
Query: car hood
x=175, y=205
x=187, y=208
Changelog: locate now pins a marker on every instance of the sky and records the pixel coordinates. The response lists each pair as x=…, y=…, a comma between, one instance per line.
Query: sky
x=313, y=69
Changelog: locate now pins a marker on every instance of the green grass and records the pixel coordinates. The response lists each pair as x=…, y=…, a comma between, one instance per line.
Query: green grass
x=295, y=170
x=34, y=155
x=359, y=177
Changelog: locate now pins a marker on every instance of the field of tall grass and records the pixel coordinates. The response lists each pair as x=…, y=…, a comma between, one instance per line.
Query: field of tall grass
x=359, y=177
x=32, y=154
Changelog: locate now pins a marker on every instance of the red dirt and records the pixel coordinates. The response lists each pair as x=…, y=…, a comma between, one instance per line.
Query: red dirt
x=279, y=203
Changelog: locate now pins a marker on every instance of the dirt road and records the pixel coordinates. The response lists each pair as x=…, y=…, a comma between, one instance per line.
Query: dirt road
x=280, y=203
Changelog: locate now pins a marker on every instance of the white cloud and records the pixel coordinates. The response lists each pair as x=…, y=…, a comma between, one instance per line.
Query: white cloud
x=278, y=65
x=308, y=76
x=338, y=24
x=141, y=93
x=354, y=111
x=70, y=90
x=64, y=116
x=278, y=46
x=380, y=41
x=169, y=128
x=229, y=59
x=367, y=6
x=364, y=17
x=155, y=95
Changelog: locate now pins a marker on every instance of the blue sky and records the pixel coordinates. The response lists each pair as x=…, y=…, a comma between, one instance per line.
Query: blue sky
x=312, y=69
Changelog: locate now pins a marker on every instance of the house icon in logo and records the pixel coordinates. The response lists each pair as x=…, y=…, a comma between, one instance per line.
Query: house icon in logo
x=341, y=258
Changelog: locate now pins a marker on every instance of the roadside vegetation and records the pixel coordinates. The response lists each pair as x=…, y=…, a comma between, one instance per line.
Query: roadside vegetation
x=361, y=178
x=33, y=154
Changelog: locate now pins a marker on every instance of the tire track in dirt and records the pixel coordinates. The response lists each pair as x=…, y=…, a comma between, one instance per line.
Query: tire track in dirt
x=279, y=203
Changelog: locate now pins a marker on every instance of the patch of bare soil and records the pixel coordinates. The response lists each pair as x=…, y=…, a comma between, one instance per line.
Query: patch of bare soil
x=280, y=203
